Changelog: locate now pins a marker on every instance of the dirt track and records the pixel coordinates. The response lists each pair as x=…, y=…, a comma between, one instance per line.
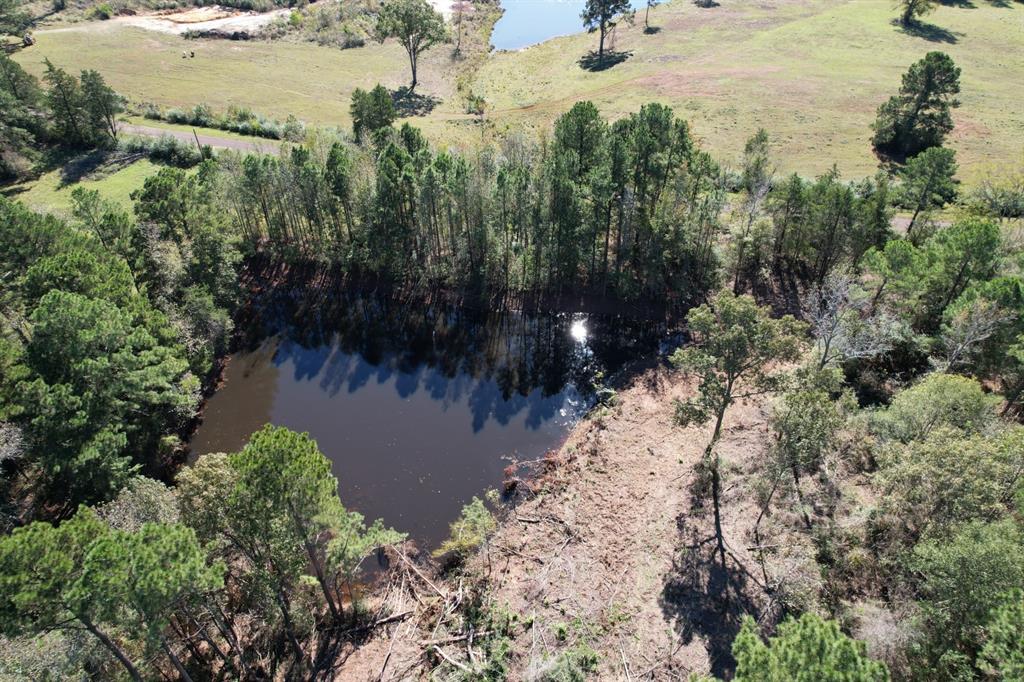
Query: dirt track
x=255, y=145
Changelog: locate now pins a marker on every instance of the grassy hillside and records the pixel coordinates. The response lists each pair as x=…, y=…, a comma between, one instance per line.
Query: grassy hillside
x=810, y=71
x=51, y=192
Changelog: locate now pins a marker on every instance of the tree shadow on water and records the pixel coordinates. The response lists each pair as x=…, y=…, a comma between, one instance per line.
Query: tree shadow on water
x=930, y=32
x=701, y=599
x=593, y=62
x=411, y=103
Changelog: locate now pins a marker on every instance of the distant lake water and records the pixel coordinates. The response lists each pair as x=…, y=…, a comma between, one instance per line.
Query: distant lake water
x=528, y=22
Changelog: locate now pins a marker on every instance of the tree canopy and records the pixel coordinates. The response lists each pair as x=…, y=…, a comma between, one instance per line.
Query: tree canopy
x=415, y=24
x=919, y=116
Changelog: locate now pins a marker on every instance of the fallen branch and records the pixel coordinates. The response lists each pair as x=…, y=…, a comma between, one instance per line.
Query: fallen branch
x=453, y=639
x=419, y=573
x=460, y=666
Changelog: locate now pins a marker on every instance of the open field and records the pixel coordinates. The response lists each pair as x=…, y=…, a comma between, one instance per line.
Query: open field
x=812, y=72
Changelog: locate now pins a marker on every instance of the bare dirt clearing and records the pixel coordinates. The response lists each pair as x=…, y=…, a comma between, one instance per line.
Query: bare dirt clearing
x=201, y=19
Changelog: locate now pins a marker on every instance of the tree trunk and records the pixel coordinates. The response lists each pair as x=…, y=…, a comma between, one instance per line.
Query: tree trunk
x=716, y=482
x=174, y=661
x=318, y=569
x=412, y=65
x=800, y=495
x=119, y=653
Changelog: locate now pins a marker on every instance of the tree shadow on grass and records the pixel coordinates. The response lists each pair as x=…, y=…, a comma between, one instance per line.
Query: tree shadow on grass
x=651, y=30
x=99, y=162
x=592, y=62
x=701, y=599
x=410, y=103
x=930, y=32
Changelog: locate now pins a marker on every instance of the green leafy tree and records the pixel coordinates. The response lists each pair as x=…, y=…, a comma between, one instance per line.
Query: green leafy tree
x=919, y=116
x=735, y=355
x=21, y=122
x=97, y=382
x=1002, y=657
x=949, y=478
x=927, y=183
x=415, y=24
x=806, y=423
x=807, y=649
x=897, y=269
x=937, y=400
x=371, y=111
x=101, y=104
x=961, y=579
x=965, y=253
x=68, y=115
x=469, y=531
x=273, y=509
x=911, y=10
x=600, y=16
x=83, y=574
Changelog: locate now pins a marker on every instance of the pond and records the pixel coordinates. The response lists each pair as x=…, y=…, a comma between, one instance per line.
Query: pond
x=528, y=22
x=418, y=407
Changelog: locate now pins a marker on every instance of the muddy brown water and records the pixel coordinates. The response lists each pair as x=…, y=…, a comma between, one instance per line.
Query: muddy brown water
x=419, y=408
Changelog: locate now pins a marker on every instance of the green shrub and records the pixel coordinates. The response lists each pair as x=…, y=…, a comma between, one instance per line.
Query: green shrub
x=103, y=11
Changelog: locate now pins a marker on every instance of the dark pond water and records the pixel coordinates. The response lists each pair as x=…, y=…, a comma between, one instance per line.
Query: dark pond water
x=528, y=22
x=418, y=407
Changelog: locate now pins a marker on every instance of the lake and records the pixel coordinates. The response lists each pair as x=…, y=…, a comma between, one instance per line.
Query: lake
x=528, y=22
x=418, y=407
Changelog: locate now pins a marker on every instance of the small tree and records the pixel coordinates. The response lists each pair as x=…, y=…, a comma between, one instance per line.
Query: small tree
x=13, y=18
x=806, y=422
x=416, y=26
x=806, y=649
x=948, y=478
x=599, y=15
x=919, y=116
x=286, y=497
x=737, y=346
x=469, y=531
x=927, y=183
x=371, y=111
x=910, y=10
x=935, y=401
x=647, y=14
x=102, y=105
x=66, y=106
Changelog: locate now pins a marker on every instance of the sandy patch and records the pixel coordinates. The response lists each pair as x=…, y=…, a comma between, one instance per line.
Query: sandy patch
x=202, y=19
x=445, y=7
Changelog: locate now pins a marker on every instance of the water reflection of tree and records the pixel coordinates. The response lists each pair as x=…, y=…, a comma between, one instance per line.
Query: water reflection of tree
x=519, y=352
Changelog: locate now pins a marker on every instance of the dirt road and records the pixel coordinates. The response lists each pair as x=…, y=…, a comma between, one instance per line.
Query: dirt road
x=256, y=144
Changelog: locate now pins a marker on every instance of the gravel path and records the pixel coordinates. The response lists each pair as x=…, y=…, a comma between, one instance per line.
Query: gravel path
x=254, y=145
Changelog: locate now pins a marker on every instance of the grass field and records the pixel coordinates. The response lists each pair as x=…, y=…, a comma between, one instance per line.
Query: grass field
x=812, y=72
x=51, y=192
